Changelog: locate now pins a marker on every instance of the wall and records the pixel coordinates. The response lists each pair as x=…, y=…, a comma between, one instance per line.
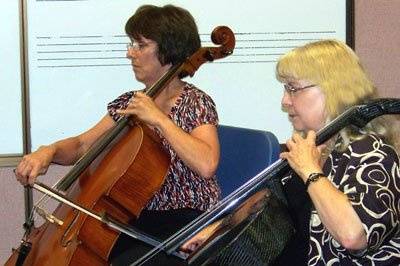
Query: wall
x=376, y=41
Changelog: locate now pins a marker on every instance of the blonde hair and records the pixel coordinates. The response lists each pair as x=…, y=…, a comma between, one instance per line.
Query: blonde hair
x=337, y=70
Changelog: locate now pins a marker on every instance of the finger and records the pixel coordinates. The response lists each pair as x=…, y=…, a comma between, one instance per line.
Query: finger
x=17, y=175
x=21, y=166
x=321, y=147
x=145, y=100
x=297, y=137
x=131, y=104
x=290, y=144
x=24, y=175
x=121, y=111
x=283, y=155
x=128, y=111
x=34, y=173
x=21, y=178
x=24, y=170
x=311, y=136
x=140, y=95
x=31, y=180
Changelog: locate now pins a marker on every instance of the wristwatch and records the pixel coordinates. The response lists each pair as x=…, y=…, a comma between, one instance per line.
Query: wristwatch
x=312, y=178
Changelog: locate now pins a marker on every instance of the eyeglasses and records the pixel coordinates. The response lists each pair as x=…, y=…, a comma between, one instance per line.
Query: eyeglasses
x=137, y=46
x=292, y=90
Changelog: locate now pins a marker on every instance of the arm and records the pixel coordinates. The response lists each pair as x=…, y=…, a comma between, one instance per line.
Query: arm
x=333, y=207
x=65, y=152
x=199, y=149
x=338, y=215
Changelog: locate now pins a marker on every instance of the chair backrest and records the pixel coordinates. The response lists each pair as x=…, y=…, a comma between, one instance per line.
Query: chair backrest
x=244, y=153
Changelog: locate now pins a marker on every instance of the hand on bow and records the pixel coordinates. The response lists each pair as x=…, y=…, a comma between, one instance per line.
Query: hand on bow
x=34, y=164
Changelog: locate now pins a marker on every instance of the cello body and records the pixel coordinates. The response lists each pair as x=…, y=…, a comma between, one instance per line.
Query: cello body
x=109, y=185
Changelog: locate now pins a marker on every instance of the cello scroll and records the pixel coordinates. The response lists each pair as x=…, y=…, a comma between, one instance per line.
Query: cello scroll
x=221, y=35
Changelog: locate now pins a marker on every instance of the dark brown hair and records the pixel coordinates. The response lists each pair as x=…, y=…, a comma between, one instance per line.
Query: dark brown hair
x=172, y=28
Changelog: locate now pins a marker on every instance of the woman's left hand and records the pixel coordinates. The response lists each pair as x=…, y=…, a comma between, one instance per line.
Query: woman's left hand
x=144, y=109
x=303, y=156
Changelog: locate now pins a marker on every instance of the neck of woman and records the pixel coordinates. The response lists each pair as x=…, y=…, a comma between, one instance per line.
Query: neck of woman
x=173, y=88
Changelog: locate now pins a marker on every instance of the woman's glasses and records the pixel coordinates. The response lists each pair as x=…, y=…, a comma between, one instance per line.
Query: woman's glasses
x=137, y=46
x=292, y=90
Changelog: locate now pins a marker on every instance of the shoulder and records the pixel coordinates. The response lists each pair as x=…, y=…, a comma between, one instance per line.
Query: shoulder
x=195, y=108
x=124, y=97
x=119, y=103
x=194, y=94
x=371, y=145
x=366, y=155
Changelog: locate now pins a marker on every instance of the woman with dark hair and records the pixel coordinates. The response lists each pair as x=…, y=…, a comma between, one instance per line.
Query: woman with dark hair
x=172, y=28
x=183, y=116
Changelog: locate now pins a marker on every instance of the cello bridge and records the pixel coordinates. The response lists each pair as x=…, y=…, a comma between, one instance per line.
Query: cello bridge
x=48, y=216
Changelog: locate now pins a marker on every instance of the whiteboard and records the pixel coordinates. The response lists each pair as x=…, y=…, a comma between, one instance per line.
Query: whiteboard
x=76, y=58
x=11, y=126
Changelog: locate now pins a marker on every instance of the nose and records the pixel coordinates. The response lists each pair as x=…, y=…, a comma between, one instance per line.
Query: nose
x=130, y=53
x=286, y=99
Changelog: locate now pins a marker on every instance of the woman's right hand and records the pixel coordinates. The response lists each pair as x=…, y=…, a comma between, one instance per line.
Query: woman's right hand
x=65, y=152
x=34, y=164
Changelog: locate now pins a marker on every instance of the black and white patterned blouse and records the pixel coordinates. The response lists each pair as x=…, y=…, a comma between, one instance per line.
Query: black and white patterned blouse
x=182, y=188
x=368, y=173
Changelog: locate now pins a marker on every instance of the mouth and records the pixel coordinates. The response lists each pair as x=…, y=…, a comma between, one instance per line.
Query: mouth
x=291, y=117
x=135, y=67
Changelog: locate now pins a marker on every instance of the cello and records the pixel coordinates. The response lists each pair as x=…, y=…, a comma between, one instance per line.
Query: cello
x=109, y=185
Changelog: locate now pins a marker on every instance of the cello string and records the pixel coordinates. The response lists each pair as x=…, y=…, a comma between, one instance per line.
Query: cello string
x=44, y=199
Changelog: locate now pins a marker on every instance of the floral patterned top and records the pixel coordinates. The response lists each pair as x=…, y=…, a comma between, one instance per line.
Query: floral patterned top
x=182, y=188
x=368, y=173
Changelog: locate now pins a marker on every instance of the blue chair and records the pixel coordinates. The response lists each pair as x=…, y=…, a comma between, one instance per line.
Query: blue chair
x=244, y=153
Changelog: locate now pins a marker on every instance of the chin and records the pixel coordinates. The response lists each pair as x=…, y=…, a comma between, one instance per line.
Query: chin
x=298, y=127
x=138, y=78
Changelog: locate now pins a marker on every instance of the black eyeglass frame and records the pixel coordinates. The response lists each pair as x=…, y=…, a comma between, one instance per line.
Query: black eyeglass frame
x=291, y=90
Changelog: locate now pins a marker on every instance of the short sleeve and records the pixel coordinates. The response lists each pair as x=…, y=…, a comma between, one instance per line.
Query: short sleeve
x=119, y=103
x=371, y=182
x=203, y=111
x=206, y=110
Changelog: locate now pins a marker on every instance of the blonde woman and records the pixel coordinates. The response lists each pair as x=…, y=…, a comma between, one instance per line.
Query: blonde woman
x=353, y=180
x=343, y=196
